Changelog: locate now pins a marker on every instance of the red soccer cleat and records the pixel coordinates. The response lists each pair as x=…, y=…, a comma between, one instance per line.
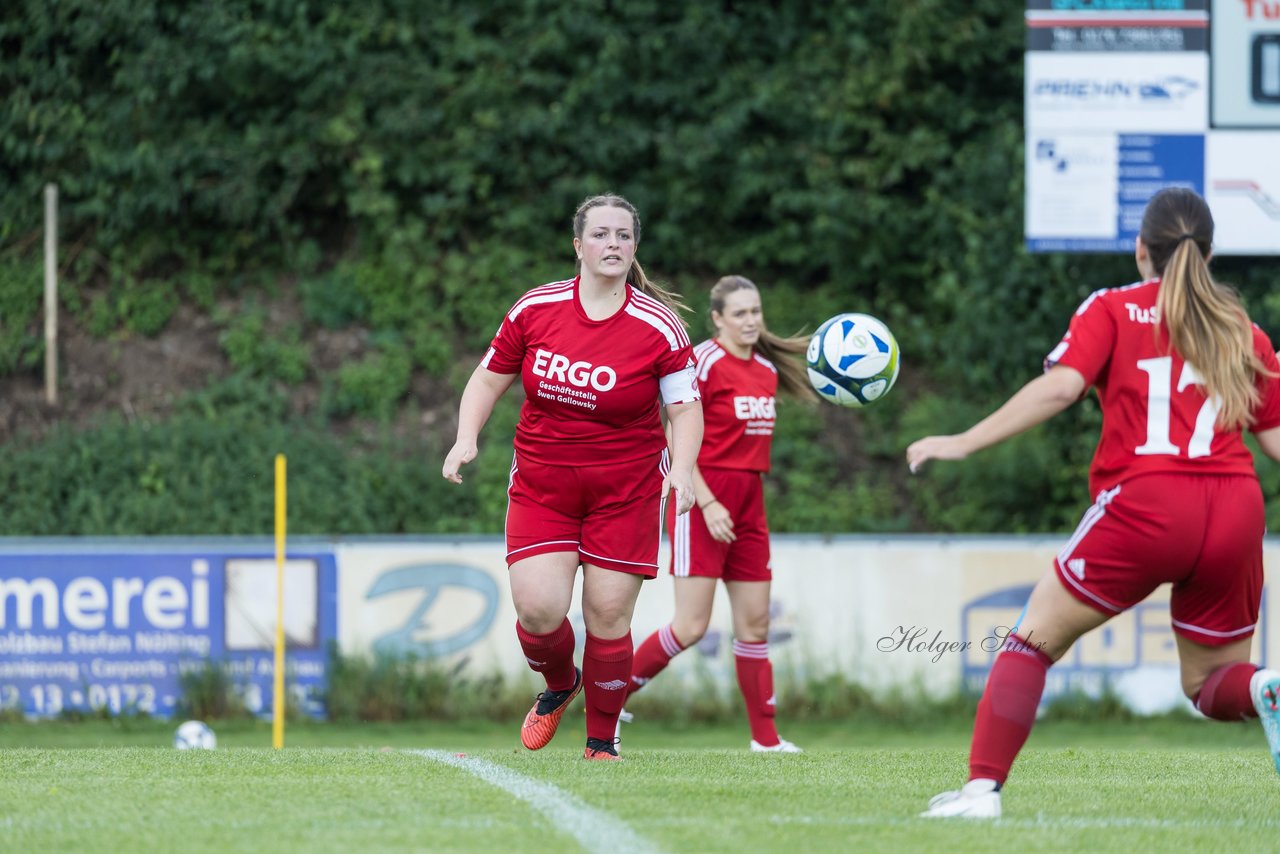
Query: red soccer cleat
x=602, y=750
x=544, y=718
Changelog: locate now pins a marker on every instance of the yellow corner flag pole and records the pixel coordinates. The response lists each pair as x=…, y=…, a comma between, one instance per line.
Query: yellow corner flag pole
x=277, y=702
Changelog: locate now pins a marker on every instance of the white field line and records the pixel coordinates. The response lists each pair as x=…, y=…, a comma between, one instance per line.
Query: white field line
x=1040, y=820
x=595, y=830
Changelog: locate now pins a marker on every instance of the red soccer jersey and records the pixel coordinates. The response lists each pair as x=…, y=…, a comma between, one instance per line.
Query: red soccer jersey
x=592, y=386
x=1155, y=415
x=737, y=408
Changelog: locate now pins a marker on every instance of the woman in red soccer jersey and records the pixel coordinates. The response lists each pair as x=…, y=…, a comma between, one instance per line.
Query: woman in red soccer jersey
x=595, y=354
x=726, y=536
x=1180, y=372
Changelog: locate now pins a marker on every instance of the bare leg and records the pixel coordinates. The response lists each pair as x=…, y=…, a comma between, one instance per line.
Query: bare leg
x=695, y=596
x=1199, y=661
x=542, y=589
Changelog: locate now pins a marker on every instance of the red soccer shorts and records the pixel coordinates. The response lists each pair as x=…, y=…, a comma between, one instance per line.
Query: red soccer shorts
x=695, y=553
x=609, y=514
x=1200, y=533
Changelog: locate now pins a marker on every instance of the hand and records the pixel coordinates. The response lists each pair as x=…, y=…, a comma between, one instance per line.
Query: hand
x=683, y=485
x=461, y=454
x=935, y=448
x=719, y=522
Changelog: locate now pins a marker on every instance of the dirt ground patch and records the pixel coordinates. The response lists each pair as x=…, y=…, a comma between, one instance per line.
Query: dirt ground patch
x=142, y=378
x=130, y=374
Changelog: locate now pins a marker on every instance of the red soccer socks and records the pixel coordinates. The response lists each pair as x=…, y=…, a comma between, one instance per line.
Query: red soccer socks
x=755, y=679
x=1225, y=694
x=550, y=654
x=652, y=657
x=1007, y=709
x=606, y=671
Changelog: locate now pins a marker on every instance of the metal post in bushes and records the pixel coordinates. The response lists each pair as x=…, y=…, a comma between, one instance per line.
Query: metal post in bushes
x=51, y=293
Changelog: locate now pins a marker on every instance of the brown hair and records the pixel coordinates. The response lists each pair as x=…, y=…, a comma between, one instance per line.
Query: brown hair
x=1206, y=322
x=791, y=374
x=635, y=275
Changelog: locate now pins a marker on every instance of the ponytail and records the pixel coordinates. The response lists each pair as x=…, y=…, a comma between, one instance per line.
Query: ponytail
x=670, y=299
x=1205, y=321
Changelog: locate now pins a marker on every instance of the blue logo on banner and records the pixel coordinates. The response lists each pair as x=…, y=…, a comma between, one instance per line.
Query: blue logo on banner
x=1161, y=89
x=433, y=579
x=1169, y=89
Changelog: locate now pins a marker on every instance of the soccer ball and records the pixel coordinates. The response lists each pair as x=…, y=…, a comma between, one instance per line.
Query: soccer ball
x=853, y=360
x=195, y=735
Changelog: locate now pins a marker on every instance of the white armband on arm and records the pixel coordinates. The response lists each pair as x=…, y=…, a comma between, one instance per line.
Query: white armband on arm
x=680, y=387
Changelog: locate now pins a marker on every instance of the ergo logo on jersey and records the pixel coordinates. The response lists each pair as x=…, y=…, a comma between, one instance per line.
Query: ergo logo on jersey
x=558, y=368
x=749, y=408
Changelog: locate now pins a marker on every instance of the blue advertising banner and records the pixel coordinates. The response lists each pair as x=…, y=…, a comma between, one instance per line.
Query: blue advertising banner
x=1148, y=164
x=85, y=631
x=1087, y=193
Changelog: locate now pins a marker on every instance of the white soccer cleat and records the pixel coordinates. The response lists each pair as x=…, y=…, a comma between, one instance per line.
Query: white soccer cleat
x=976, y=799
x=783, y=746
x=1264, y=688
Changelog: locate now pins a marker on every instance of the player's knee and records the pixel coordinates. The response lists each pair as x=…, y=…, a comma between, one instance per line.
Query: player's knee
x=540, y=618
x=607, y=621
x=689, y=632
x=753, y=628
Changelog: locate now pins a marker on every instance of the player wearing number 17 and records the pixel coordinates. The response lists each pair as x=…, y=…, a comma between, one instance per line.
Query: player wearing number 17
x=1180, y=372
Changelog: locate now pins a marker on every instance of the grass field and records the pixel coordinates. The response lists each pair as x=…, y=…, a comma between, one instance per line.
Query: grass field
x=1185, y=785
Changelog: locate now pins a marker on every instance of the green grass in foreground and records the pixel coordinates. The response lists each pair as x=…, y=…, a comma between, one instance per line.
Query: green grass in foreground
x=1178, y=784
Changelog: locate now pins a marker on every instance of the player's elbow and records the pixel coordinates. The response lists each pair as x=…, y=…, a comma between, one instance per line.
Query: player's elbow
x=1061, y=387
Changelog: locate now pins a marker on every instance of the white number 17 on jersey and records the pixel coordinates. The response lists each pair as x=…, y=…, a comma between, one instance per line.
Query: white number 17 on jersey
x=1159, y=393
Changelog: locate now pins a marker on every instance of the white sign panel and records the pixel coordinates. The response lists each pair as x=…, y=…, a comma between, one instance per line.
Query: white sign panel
x=1071, y=186
x=451, y=602
x=891, y=614
x=1246, y=63
x=1243, y=190
x=251, y=603
x=1087, y=192
x=1117, y=92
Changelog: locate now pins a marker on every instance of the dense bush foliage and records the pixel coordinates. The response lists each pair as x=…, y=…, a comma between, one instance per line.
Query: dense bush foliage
x=410, y=167
x=209, y=469
x=21, y=297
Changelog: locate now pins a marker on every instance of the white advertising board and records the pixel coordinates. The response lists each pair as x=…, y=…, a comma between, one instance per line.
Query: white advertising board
x=1242, y=185
x=1087, y=192
x=900, y=613
x=1071, y=186
x=1117, y=92
x=1125, y=98
x=1246, y=63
